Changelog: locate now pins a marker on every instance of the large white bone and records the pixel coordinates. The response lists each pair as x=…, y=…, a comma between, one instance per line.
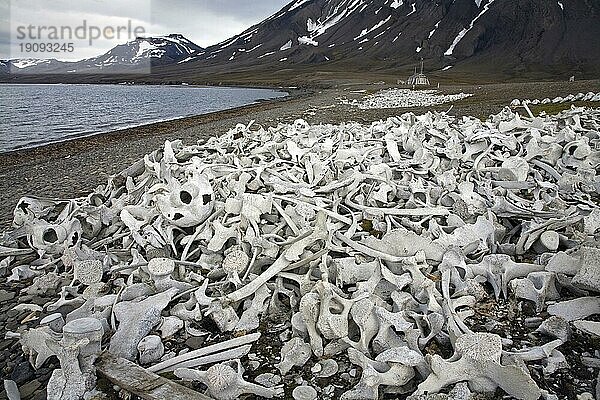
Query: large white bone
x=224, y=383
x=477, y=360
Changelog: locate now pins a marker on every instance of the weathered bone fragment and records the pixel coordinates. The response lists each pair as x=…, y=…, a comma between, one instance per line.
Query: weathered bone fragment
x=225, y=383
x=391, y=368
x=68, y=382
x=187, y=204
x=576, y=309
x=477, y=360
x=557, y=327
x=11, y=390
x=151, y=349
x=160, y=270
x=54, y=321
x=499, y=270
x=250, y=319
x=537, y=287
x=34, y=343
x=215, y=349
x=589, y=327
x=564, y=264
x=294, y=353
x=136, y=320
x=588, y=276
x=169, y=326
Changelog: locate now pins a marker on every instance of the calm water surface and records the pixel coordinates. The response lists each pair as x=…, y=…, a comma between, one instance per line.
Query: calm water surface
x=34, y=115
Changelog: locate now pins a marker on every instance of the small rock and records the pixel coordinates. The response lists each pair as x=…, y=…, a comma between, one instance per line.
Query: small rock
x=328, y=390
x=11, y=389
x=22, y=373
x=329, y=368
x=268, y=379
x=28, y=389
x=585, y=396
x=316, y=368
x=304, y=393
x=6, y=296
x=588, y=276
x=254, y=365
x=195, y=342
x=557, y=327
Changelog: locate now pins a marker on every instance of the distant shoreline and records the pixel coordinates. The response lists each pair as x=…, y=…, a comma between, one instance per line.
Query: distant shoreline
x=160, y=124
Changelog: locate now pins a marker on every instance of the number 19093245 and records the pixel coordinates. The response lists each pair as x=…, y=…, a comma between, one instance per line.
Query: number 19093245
x=46, y=47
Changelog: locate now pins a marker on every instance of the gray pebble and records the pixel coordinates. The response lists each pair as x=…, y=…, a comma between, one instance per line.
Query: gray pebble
x=304, y=393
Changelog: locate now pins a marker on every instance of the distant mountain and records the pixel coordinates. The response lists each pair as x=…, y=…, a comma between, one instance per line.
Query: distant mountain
x=464, y=38
x=505, y=36
x=129, y=57
x=161, y=50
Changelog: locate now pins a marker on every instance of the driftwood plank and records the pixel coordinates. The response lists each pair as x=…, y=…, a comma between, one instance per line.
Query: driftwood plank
x=139, y=381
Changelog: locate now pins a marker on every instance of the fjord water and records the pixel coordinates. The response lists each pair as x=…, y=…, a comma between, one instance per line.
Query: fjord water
x=34, y=115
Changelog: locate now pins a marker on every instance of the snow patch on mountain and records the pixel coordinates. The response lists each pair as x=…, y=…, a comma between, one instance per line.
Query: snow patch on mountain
x=434, y=29
x=463, y=33
x=366, y=31
x=307, y=41
x=286, y=46
x=266, y=54
x=397, y=3
x=298, y=4
x=27, y=62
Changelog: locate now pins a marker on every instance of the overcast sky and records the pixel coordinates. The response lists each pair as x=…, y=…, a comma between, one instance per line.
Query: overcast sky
x=205, y=22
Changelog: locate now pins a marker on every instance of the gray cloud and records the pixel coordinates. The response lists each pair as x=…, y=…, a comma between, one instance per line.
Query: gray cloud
x=205, y=22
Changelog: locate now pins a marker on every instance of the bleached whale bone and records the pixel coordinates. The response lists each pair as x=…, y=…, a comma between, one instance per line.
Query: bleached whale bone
x=477, y=360
x=250, y=318
x=151, y=349
x=54, y=239
x=294, y=353
x=69, y=381
x=217, y=352
x=287, y=257
x=537, y=287
x=500, y=269
x=34, y=343
x=136, y=320
x=161, y=270
x=576, y=309
x=187, y=204
x=225, y=383
x=588, y=276
x=91, y=330
x=393, y=367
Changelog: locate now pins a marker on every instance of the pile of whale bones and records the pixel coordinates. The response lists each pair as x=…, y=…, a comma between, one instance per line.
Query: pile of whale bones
x=404, y=98
x=372, y=242
x=589, y=96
